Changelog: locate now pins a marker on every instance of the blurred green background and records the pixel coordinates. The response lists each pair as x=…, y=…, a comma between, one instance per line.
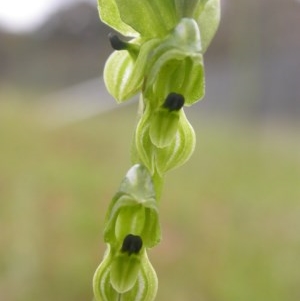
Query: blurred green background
x=230, y=216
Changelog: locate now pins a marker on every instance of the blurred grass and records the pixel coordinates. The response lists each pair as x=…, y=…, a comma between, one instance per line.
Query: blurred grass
x=230, y=216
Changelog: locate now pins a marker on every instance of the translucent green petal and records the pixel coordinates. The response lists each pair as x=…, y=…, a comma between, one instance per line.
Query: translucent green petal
x=109, y=14
x=138, y=184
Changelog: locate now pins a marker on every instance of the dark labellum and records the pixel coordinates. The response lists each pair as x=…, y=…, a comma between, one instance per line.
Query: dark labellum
x=174, y=102
x=116, y=43
x=132, y=244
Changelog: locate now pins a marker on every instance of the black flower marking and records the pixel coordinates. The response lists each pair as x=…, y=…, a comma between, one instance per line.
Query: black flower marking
x=174, y=102
x=116, y=43
x=132, y=244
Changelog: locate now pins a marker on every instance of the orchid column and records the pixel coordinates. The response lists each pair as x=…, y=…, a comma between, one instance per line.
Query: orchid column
x=161, y=57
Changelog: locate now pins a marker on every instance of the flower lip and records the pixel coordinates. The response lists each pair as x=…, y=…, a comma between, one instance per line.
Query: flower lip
x=132, y=244
x=174, y=102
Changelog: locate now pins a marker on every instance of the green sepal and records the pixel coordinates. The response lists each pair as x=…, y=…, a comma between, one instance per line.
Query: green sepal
x=151, y=18
x=109, y=14
x=124, y=72
x=134, y=209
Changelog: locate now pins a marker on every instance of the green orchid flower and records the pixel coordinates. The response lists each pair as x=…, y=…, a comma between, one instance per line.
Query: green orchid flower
x=134, y=210
x=160, y=29
x=125, y=275
x=176, y=65
x=163, y=140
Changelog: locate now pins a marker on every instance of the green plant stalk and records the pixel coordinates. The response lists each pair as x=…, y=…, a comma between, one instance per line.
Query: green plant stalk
x=163, y=60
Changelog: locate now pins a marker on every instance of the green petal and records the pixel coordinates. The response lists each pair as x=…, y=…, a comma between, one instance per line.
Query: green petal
x=151, y=18
x=109, y=14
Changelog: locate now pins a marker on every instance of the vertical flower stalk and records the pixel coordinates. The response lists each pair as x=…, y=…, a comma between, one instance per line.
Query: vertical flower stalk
x=160, y=57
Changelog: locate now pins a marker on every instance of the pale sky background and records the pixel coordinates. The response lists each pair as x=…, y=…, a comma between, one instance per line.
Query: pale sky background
x=25, y=15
